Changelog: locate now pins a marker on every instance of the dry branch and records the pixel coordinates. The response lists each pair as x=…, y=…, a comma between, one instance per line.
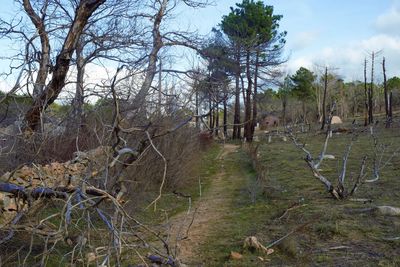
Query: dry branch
x=338, y=192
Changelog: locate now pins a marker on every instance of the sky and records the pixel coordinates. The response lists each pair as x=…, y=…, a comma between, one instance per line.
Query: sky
x=334, y=33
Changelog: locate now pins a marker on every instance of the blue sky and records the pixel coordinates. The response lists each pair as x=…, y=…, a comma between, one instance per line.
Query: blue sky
x=337, y=33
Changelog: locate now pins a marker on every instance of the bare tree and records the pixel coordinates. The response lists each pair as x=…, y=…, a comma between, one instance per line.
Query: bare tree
x=387, y=97
x=371, y=92
x=61, y=67
x=324, y=98
x=40, y=26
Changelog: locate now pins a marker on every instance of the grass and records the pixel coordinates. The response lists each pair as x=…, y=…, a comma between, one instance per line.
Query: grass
x=228, y=234
x=171, y=204
x=329, y=223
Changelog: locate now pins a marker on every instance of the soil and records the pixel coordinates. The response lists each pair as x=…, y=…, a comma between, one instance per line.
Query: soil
x=190, y=230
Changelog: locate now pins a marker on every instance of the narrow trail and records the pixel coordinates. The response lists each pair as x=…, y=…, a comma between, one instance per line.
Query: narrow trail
x=190, y=230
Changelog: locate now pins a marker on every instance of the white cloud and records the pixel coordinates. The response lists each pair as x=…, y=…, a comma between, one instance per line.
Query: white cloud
x=5, y=85
x=348, y=58
x=295, y=63
x=389, y=22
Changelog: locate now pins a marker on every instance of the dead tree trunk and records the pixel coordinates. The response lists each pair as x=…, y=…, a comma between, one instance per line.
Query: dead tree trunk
x=79, y=91
x=51, y=92
x=371, y=92
x=386, y=95
x=324, y=99
x=44, y=63
x=390, y=106
x=160, y=89
x=366, y=111
x=197, y=109
x=152, y=66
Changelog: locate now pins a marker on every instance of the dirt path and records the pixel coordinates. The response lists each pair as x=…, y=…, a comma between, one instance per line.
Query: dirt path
x=207, y=211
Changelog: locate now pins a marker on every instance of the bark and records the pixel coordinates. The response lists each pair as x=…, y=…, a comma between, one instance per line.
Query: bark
x=51, y=92
x=390, y=106
x=160, y=89
x=225, y=116
x=342, y=102
x=197, y=108
x=365, y=94
x=152, y=66
x=254, y=122
x=324, y=99
x=216, y=120
x=243, y=90
x=371, y=93
x=236, y=118
x=210, y=107
x=248, y=122
x=385, y=93
x=44, y=60
x=79, y=93
x=284, y=104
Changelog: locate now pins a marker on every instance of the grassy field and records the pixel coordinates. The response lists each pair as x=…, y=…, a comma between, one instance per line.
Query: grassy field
x=333, y=233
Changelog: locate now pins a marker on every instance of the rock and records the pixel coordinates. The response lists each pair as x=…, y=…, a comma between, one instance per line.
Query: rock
x=329, y=157
x=251, y=243
x=91, y=257
x=236, y=256
x=389, y=210
x=336, y=120
x=55, y=174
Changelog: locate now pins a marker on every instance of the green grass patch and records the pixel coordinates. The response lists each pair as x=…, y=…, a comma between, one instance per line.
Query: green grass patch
x=333, y=236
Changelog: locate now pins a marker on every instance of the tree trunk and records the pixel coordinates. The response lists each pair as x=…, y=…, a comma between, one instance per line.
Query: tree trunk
x=216, y=119
x=366, y=111
x=254, y=122
x=342, y=101
x=236, y=118
x=159, y=89
x=385, y=94
x=318, y=102
x=225, y=119
x=390, y=107
x=79, y=93
x=284, y=103
x=44, y=60
x=197, y=109
x=243, y=90
x=324, y=99
x=211, y=123
x=248, y=121
x=371, y=92
x=51, y=92
x=152, y=66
